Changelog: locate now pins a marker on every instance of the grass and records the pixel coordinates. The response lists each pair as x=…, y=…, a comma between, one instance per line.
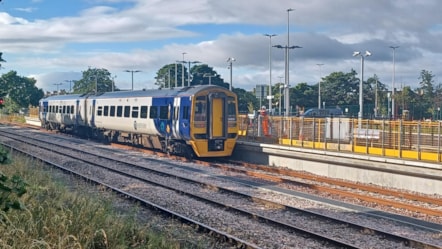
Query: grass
x=71, y=216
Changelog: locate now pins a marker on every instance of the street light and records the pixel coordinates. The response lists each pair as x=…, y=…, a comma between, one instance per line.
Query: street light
x=113, y=82
x=319, y=89
x=182, y=70
x=287, y=94
x=270, y=70
x=132, y=72
x=210, y=77
x=230, y=60
x=286, y=84
x=58, y=84
x=176, y=75
x=361, y=97
x=188, y=75
x=70, y=85
x=393, y=110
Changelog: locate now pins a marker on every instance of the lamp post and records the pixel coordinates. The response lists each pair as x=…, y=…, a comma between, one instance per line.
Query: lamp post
x=208, y=75
x=182, y=70
x=270, y=71
x=319, y=88
x=132, y=72
x=393, y=110
x=113, y=82
x=176, y=75
x=287, y=90
x=230, y=60
x=58, y=84
x=361, y=97
x=188, y=75
x=286, y=84
x=70, y=85
x=182, y=73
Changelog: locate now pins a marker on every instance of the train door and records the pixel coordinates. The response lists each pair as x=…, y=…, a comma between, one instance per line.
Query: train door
x=176, y=118
x=184, y=118
x=44, y=106
x=91, y=111
x=218, y=118
x=163, y=117
x=78, y=117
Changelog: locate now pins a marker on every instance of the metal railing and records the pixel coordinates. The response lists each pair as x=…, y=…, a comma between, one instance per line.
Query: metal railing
x=415, y=140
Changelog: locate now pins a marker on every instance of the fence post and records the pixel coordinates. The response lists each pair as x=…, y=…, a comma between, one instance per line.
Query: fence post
x=325, y=132
x=419, y=140
x=339, y=134
x=400, y=137
x=383, y=137
x=366, y=137
x=314, y=134
x=438, y=142
x=290, y=130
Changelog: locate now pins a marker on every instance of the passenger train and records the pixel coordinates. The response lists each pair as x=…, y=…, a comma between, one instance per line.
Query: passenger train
x=191, y=121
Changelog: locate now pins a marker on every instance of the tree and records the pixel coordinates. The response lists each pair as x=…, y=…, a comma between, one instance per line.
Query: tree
x=199, y=75
x=427, y=94
x=372, y=88
x=20, y=92
x=94, y=78
x=304, y=96
x=340, y=89
x=166, y=76
x=246, y=100
x=203, y=75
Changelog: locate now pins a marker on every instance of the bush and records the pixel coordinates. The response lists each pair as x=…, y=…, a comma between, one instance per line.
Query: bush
x=11, y=188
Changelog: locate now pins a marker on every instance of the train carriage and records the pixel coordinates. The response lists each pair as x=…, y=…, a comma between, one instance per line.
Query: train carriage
x=60, y=112
x=199, y=120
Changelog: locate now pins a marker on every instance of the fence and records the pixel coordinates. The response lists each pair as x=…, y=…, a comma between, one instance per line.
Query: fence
x=415, y=140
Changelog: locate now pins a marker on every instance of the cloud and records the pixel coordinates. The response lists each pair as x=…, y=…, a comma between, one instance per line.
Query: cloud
x=147, y=34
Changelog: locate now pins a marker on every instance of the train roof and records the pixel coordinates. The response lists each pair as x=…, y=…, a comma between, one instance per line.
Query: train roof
x=182, y=91
x=63, y=97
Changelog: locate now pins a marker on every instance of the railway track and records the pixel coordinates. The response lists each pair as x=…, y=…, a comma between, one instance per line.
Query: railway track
x=247, y=204
x=285, y=176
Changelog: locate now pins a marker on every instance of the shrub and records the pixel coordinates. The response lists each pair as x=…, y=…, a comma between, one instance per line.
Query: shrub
x=11, y=188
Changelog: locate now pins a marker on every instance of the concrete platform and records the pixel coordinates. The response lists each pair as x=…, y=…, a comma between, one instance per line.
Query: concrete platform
x=33, y=121
x=415, y=176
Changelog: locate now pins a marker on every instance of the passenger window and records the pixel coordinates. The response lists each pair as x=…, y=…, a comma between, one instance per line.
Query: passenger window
x=126, y=111
x=153, y=112
x=100, y=111
x=164, y=112
x=231, y=109
x=200, y=108
x=119, y=111
x=186, y=112
x=134, y=111
x=112, y=111
x=143, y=113
x=106, y=111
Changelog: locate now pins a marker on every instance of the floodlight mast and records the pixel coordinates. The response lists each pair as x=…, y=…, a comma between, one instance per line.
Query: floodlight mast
x=361, y=96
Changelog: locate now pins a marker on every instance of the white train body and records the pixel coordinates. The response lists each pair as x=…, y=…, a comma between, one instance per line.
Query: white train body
x=197, y=119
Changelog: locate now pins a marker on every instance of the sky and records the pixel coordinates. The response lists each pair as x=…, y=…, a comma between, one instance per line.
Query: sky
x=53, y=41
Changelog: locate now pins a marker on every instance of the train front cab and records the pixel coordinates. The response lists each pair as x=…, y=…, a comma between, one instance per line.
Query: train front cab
x=43, y=112
x=214, y=123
